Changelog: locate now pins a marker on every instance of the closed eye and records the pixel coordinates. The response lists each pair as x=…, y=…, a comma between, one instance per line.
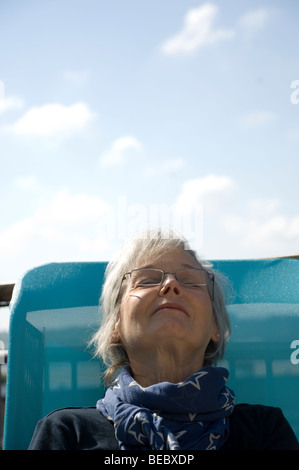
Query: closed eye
x=147, y=281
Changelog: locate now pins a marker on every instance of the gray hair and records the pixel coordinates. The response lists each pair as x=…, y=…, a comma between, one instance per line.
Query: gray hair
x=139, y=249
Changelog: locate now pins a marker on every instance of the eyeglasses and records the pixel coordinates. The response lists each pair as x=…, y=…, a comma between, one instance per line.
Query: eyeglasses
x=187, y=277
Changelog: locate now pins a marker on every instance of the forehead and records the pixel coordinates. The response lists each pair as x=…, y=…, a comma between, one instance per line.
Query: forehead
x=172, y=260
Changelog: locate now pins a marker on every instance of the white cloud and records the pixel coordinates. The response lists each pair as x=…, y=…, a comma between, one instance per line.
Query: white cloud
x=171, y=165
x=198, y=206
x=293, y=135
x=70, y=227
x=198, y=30
x=48, y=232
x=68, y=209
x=279, y=235
x=166, y=167
x=65, y=219
x=78, y=78
x=26, y=183
x=95, y=245
x=210, y=205
x=10, y=103
x=263, y=207
x=207, y=191
x=254, y=21
x=263, y=231
x=53, y=119
x=119, y=151
x=13, y=238
x=257, y=119
x=207, y=210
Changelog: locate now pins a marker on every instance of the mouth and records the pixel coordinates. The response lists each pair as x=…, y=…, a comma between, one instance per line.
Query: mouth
x=171, y=306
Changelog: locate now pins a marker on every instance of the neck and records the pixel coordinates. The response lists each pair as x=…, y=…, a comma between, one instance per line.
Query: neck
x=158, y=368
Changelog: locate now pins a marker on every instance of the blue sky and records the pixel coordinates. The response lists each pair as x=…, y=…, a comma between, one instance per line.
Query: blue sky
x=117, y=114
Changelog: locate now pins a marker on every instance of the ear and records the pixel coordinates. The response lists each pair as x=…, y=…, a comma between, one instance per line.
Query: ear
x=215, y=337
x=115, y=336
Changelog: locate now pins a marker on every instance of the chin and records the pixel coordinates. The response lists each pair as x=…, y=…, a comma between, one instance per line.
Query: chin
x=172, y=328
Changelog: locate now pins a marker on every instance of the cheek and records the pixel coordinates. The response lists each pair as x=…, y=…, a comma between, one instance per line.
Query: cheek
x=202, y=301
x=132, y=311
x=136, y=302
x=132, y=324
x=204, y=311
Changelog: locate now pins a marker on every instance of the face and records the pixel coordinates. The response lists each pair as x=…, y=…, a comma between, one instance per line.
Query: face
x=166, y=315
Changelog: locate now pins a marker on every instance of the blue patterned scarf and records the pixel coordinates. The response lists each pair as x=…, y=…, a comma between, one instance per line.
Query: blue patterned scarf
x=188, y=415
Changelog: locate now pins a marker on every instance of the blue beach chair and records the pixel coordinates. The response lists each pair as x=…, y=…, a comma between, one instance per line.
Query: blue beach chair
x=54, y=312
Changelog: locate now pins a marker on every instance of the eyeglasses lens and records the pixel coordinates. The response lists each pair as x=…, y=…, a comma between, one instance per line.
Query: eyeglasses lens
x=141, y=277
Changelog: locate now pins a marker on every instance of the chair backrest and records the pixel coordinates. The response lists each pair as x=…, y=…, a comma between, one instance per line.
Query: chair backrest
x=54, y=311
x=263, y=352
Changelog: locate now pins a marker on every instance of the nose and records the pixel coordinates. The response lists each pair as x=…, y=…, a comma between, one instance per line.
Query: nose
x=170, y=285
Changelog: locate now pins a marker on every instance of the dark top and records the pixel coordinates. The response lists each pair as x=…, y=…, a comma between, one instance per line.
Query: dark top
x=251, y=427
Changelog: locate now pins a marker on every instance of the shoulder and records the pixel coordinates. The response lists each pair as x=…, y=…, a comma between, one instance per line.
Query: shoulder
x=83, y=416
x=260, y=427
x=256, y=412
x=70, y=414
x=74, y=428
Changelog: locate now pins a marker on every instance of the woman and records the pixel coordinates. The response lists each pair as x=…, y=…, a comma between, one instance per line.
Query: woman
x=164, y=328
